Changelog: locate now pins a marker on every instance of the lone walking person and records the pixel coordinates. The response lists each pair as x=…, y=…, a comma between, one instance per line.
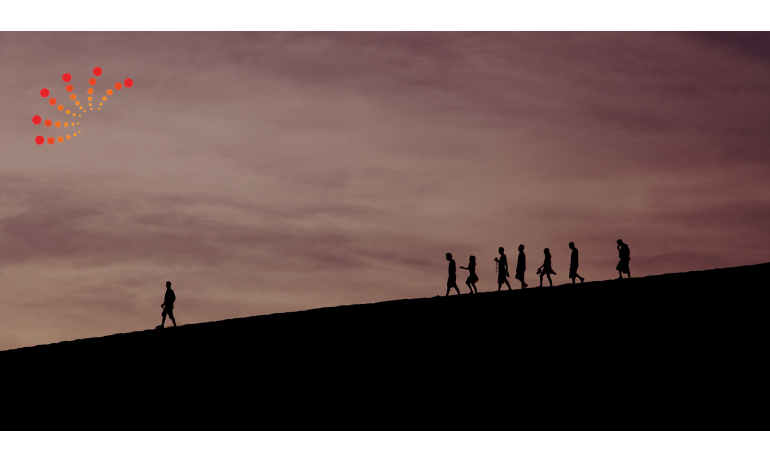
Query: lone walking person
x=168, y=305
x=573, y=264
x=625, y=256
x=502, y=270
x=521, y=266
x=452, y=280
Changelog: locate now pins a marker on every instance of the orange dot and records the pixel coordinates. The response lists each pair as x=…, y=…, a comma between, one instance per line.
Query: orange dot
x=68, y=137
x=73, y=97
x=69, y=88
x=51, y=140
x=109, y=91
x=66, y=124
x=91, y=109
x=52, y=101
x=61, y=139
x=90, y=91
x=80, y=115
x=77, y=103
x=68, y=111
x=90, y=98
x=89, y=104
x=57, y=124
x=60, y=107
x=48, y=122
x=118, y=86
x=81, y=107
x=99, y=109
x=101, y=104
x=104, y=98
x=75, y=134
x=92, y=81
x=78, y=131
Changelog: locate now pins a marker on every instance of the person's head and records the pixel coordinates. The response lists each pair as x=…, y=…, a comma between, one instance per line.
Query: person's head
x=620, y=242
x=472, y=258
x=500, y=250
x=521, y=247
x=571, y=245
x=547, y=252
x=449, y=256
x=168, y=284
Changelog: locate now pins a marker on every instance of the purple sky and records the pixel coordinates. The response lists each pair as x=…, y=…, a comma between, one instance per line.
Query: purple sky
x=265, y=172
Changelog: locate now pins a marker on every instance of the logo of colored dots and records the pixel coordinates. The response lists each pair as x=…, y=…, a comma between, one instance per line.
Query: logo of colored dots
x=78, y=107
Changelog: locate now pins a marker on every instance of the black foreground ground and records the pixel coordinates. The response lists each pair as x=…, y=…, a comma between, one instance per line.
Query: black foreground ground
x=676, y=351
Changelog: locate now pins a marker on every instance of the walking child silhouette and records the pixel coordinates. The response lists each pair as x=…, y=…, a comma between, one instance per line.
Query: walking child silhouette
x=472, y=278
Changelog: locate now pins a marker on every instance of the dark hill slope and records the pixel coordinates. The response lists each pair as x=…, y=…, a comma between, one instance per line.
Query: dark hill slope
x=661, y=352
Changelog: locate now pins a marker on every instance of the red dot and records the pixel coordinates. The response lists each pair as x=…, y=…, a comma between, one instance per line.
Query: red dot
x=39, y=140
x=36, y=119
x=66, y=77
x=97, y=71
x=44, y=92
x=128, y=82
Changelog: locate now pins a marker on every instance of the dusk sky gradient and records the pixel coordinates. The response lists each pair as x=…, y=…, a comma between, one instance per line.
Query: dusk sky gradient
x=270, y=172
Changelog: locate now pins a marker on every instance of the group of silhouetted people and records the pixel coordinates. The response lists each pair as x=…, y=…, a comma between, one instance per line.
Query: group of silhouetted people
x=545, y=270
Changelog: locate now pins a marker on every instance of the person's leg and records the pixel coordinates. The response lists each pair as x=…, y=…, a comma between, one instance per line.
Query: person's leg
x=541, y=279
x=549, y=279
x=507, y=284
x=457, y=289
x=620, y=275
x=447, y=289
x=163, y=322
x=474, y=289
x=171, y=316
x=579, y=277
x=499, y=285
x=469, y=287
x=629, y=273
x=573, y=280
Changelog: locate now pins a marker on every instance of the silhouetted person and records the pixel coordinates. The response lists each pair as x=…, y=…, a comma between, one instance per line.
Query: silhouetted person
x=168, y=305
x=546, y=268
x=573, y=264
x=625, y=256
x=521, y=266
x=452, y=280
x=472, y=278
x=502, y=270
